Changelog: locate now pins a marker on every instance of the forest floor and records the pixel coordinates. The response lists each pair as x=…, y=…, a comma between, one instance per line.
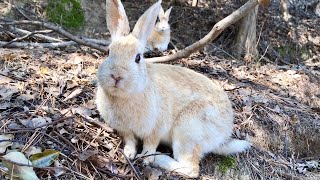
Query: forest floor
x=276, y=101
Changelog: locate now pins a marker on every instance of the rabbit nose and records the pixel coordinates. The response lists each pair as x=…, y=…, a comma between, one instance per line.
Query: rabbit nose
x=116, y=78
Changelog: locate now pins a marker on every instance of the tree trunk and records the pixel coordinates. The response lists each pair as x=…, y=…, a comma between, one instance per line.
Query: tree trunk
x=246, y=39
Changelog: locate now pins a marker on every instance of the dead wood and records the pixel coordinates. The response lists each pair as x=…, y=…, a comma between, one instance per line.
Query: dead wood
x=38, y=45
x=82, y=41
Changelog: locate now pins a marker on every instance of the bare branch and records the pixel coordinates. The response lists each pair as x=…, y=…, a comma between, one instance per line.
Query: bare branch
x=40, y=36
x=214, y=33
x=38, y=45
x=56, y=29
x=51, y=39
x=26, y=36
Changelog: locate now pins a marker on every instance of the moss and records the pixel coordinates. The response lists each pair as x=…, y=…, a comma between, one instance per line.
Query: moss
x=67, y=13
x=226, y=163
x=291, y=52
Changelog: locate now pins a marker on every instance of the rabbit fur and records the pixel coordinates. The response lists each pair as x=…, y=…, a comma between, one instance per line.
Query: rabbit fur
x=160, y=36
x=160, y=103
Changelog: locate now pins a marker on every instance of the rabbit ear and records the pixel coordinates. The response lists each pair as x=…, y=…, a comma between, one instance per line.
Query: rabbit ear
x=117, y=20
x=161, y=13
x=167, y=14
x=146, y=22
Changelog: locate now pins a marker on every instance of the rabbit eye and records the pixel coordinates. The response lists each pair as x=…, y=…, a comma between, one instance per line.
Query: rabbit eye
x=137, y=58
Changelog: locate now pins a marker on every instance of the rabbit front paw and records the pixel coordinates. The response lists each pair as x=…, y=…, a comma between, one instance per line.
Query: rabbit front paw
x=148, y=156
x=130, y=151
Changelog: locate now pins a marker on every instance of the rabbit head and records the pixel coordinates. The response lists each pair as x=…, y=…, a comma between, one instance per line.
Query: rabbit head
x=163, y=24
x=124, y=71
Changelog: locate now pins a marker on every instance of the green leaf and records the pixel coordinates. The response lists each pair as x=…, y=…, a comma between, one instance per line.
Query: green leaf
x=21, y=172
x=44, y=159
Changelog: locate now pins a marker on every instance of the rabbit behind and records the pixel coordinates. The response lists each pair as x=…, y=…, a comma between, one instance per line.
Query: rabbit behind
x=160, y=103
x=160, y=36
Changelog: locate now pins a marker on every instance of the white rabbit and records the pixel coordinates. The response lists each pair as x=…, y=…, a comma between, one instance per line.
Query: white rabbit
x=160, y=103
x=160, y=36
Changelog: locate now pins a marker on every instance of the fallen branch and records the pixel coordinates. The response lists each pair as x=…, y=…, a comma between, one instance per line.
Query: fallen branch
x=214, y=33
x=25, y=36
x=40, y=36
x=56, y=29
x=38, y=45
x=51, y=39
x=47, y=124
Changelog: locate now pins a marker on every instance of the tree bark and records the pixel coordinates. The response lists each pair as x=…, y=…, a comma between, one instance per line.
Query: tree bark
x=246, y=39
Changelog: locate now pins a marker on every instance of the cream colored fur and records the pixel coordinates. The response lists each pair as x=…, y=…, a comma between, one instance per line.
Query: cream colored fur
x=162, y=103
x=160, y=36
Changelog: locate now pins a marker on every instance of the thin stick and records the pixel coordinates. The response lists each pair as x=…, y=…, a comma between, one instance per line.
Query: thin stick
x=25, y=131
x=40, y=36
x=136, y=173
x=26, y=36
x=56, y=29
x=64, y=139
x=43, y=125
x=96, y=123
x=39, y=45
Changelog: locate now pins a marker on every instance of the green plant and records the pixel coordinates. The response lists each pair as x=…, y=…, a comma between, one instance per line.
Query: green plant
x=226, y=163
x=67, y=13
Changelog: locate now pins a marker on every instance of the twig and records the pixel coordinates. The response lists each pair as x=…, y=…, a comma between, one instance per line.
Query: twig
x=43, y=125
x=56, y=29
x=64, y=139
x=96, y=123
x=40, y=36
x=51, y=39
x=43, y=133
x=214, y=33
x=114, y=174
x=144, y=156
x=39, y=45
x=26, y=36
x=136, y=173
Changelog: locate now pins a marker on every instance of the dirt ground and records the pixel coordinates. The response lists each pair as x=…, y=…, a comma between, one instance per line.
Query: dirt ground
x=276, y=98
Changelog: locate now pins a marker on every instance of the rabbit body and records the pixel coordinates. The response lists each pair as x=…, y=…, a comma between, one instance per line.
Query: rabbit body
x=160, y=35
x=161, y=103
x=158, y=41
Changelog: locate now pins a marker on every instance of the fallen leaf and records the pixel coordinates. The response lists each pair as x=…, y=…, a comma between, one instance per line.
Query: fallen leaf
x=5, y=142
x=22, y=172
x=4, y=105
x=63, y=131
x=152, y=173
x=71, y=84
x=7, y=92
x=33, y=150
x=36, y=122
x=82, y=111
x=4, y=79
x=86, y=154
x=44, y=159
x=75, y=140
x=59, y=170
x=26, y=97
x=73, y=94
x=103, y=162
x=99, y=161
x=44, y=70
x=14, y=125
